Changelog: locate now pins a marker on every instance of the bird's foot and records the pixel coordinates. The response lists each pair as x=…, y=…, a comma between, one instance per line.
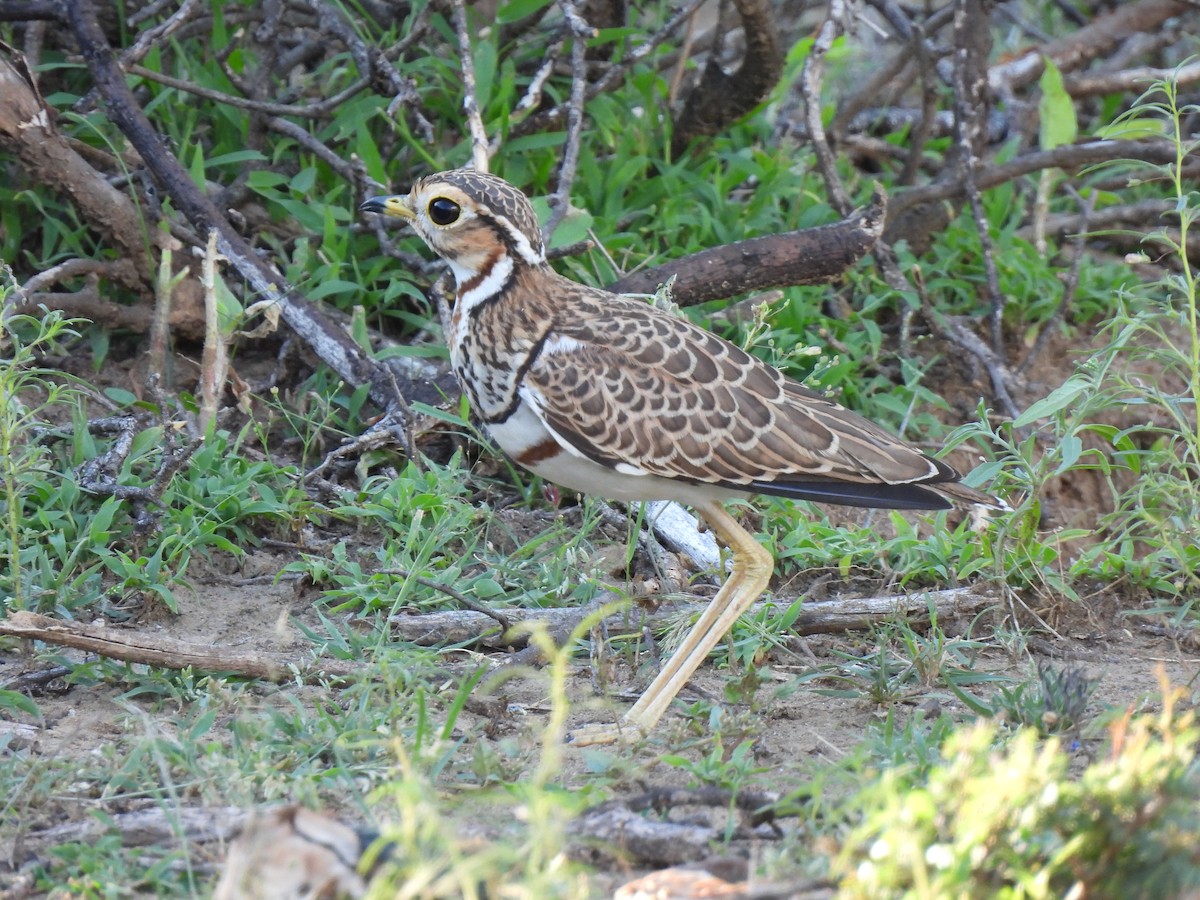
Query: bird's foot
x=599, y=734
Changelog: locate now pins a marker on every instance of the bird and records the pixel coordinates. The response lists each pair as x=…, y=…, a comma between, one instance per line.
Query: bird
x=609, y=395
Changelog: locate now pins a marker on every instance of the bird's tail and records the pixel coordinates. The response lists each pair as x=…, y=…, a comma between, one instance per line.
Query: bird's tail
x=960, y=493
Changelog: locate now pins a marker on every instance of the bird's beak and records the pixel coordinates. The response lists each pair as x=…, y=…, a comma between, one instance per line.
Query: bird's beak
x=394, y=206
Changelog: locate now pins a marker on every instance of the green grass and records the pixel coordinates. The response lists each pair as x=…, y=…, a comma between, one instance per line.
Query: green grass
x=397, y=745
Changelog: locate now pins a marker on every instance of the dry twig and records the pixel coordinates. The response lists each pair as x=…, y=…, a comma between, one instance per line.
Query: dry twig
x=466, y=66
x=810, y=89
x=137, y=647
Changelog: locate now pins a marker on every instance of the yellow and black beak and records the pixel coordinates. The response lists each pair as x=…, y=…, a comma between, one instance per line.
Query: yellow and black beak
x=394, y=206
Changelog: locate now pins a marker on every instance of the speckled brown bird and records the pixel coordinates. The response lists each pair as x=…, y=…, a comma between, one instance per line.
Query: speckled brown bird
x=610, y=396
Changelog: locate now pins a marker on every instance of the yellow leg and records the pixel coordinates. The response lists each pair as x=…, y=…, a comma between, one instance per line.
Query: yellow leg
x=748, y=578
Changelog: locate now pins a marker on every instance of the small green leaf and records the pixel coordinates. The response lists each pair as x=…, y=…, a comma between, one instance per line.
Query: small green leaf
x=516, y=10
x=1132, y=129
x=1056, y=111
x=304, y=180
x=1060, y=398
x=572, y=229
x=15, y=700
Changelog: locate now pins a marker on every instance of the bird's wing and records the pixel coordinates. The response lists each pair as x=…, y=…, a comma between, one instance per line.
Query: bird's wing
x=646, y=393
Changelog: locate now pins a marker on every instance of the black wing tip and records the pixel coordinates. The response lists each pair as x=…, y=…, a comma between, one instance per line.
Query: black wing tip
x=866, y=496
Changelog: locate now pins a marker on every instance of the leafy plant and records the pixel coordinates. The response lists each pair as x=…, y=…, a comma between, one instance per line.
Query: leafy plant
x=1008, y=821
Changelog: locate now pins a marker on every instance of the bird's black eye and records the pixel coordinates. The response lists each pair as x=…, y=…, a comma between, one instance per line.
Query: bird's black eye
x=443, y=211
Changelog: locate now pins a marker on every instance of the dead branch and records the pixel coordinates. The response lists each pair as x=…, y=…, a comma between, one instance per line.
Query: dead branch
x=560, y=200
x=722, y=97
x=809, y=256
x=27, y=131
x=320, y=109
x=1069, y=156
x=1137, y=79
x=810, y=90
x=1138, y=216
x=101, y=475
x=972, y=44
x=466, y=67
x=824, y=617
x=758, y=805
x=643, y=841
x=373, y=62
x=31, y=11
x=549, y=118
x=147, y=827
x=167, y=653
x=958, y=331
x=1092, y=40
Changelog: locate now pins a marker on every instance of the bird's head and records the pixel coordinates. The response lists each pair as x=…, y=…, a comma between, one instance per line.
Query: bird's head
x=470, y=219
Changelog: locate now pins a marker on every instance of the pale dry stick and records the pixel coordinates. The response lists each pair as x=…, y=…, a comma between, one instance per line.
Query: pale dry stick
x=130, y=645
x=353, y=171
x=71, y=268
x=1137, y=217
x=560, y=200
x=479, y=141
x=924, y=127
x=214, y=360
x=1157, y=151
x=1091, y=84
x=1086, y=206
x=533, y=94
x=685, y=53
x=147, y=827
x=1073, y=50
x=148, y=38
x=614, y=74
x=810, y=90
x=319, y=109
x=149, y=11
x=160, y=324
x=966, y=127
x=818, y=617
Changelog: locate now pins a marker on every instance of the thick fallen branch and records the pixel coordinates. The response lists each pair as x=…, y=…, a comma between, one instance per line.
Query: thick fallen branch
x=826, y=616
x=168, y=653
x=647, y=841
x=28, y=132
x=147, y=827
x=809, y=256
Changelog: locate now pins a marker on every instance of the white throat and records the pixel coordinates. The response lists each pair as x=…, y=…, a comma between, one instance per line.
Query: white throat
x=476, y=287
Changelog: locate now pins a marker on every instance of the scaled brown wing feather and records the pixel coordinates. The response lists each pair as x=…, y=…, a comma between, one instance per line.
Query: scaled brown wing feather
x=629, y=386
